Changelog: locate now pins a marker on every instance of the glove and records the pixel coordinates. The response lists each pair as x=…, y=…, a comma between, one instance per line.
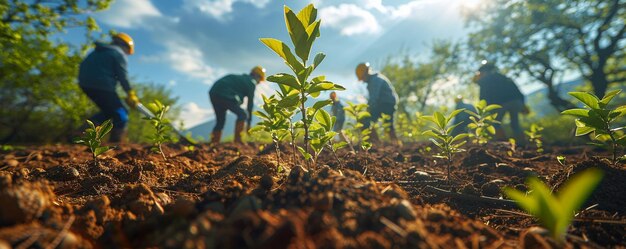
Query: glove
x=131, y=99
x=525, y=110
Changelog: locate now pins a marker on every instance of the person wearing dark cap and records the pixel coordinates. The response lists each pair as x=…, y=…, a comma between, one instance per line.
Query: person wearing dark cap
x=495, y=88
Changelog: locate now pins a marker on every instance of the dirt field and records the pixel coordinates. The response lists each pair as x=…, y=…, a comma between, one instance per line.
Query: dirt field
x=233, y=197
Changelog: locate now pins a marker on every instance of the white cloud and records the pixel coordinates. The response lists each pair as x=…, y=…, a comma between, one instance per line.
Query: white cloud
x=129, y=13
x=350, y=19
x=219, y=9
x=188, y=59
x=397, y=12
x=192, y=114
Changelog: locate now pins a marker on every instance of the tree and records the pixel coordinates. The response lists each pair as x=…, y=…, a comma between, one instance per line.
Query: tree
x=414, y=81
x=546, y=38
x=37, y=75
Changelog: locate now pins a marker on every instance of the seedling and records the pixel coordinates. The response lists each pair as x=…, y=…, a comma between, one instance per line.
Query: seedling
x=555, y=212
x=161, y=126
x=358, y=114
x=322, y=132
x=92, y=137
x=274, y=120
x=534, y=136
x=303, y=29
x=482, y=121
x=598, y=118
x=441, y=136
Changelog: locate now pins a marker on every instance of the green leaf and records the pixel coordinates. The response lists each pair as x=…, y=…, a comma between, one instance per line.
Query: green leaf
x=439, y=120
x=574, y=194
x=307, y=15
x=459, y=137
x=492, y=107
x=101, y=150
x=105, y=128
x=576, y=112
x=609, y=96
x=282, y=50
x=588, y=99
x=297, y=32
x=339, y=145
x=320, y=104
x=580, y=131
x=318, y=59
x=284, y=79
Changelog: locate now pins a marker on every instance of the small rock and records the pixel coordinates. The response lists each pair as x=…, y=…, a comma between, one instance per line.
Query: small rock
x=491, y=189
x=267, y=182
x=12, y=163
x=435, y=215
x=405, y=210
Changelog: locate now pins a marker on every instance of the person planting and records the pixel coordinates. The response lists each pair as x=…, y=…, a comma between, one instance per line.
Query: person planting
x=228, y=93
x=382, y=99
x=337, y=111
x=495, y=88
x=98, y=76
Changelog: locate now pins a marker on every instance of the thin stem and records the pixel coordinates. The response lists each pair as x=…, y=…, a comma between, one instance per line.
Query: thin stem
x=277, y=153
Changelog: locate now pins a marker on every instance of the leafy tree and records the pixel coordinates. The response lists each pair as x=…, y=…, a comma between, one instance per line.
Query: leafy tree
x=38, y=74
x=546, y=38
x=414, y=80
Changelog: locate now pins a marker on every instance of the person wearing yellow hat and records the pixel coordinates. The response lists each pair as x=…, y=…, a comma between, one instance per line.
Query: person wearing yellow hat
x=382, y=98
x=228, y=93
x=98, y=76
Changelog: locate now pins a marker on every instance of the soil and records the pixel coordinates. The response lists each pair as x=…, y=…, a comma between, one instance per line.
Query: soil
x=237, y=196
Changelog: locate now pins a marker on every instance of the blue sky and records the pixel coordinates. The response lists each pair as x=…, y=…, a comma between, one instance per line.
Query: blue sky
x=188, y=44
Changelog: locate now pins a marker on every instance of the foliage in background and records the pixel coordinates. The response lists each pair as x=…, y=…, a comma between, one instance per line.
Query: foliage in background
x=415, y=80
x=482, y=121
x=303, y=30
x=276, y=121
x=556, y=212
x=357, y=114
x=534, y=136
x=441, y=136
x=409, y=128
x=38, y=73
x=92, y=138
x=590, y=42
x=162, y=129
x=599, y=118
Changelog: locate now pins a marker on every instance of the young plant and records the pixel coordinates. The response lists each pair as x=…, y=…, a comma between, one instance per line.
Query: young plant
x=355, y=132
x=276, y=121
x=597, y=117
x=556, y=212
x=534, y=136
x=162, y=129
x=383, y=127
x=322, y=133
x=441, y=136
x=482, y=121
x=303, y=29
x=92, y=137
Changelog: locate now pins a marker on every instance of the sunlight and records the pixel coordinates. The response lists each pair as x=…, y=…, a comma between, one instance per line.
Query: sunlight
x=470, y=4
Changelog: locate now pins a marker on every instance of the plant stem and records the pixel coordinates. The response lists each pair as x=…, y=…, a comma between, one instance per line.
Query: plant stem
x=306, y=127
x=277, y=153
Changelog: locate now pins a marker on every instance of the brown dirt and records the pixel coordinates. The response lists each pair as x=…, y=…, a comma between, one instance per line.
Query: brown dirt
x=231, y=196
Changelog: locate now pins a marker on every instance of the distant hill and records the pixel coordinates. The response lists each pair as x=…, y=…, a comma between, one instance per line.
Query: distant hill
x=204, y=130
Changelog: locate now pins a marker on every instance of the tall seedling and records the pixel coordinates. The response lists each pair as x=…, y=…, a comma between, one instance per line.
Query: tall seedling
x=92, y=137
x=482, y=121
x=598, y=118
x=303, y=29
x=161, y=126
x=441, y=136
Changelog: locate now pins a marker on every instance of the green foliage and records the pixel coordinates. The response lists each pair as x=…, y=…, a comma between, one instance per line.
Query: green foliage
x=409, y=128
x=358, y=114
x=297, y=88
x=162, y=128
x=440, y=135
x=556, y=212
x=37, y=72
x=598, y=118
x=92, y=137
x=276, y=121
x=534, y=136
x=482, y=121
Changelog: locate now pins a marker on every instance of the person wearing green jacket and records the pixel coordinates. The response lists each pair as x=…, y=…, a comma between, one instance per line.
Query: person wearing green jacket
x=227, y=94
x=98, y=76
x=382, y=99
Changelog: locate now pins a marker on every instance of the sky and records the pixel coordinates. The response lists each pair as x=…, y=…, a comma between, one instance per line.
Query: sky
x=188, y=44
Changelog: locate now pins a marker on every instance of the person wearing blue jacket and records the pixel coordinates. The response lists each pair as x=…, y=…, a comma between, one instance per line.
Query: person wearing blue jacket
x=382, y=99
x=337, y=111
x=98, y=76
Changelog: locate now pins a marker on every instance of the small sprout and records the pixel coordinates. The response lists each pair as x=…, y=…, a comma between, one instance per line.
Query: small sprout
x=441, y=136
x=555, y=212
x=482, y=122
x=534, y=136
x=161, y=126
x=597, y=117
x=513, y=143
x=561, y=160
x=92, y=137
